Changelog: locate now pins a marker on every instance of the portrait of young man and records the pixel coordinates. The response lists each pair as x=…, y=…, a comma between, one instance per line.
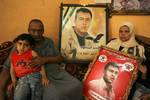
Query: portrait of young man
x=102, y=88
x=78, y=41
x=110, y=76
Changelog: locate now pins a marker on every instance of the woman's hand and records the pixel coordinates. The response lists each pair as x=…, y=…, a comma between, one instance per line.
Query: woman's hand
x=145, y=97
x=143, y=69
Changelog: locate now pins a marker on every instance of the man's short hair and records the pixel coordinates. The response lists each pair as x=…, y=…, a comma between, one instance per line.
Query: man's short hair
x=111, y=64
x=84, y=10
x=25, y=37
x=36, y=21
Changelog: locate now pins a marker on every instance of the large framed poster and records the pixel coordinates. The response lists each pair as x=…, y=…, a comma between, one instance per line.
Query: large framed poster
x=103, y=1
x=110, y=76
x=83, y=30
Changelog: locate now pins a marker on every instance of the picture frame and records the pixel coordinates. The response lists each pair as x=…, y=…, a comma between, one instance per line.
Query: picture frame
x=131, y=7
x=103, y=1
x=110, y=75
x=92, y=35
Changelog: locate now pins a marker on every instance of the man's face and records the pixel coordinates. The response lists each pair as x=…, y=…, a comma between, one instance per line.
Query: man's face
x=111, y=74
x=36, y=30
x=124, y=33
x=82, y=22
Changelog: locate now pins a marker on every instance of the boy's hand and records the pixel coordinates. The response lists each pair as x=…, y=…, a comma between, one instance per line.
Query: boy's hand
x=11, y=86
x=14, y=83
x=45, y=81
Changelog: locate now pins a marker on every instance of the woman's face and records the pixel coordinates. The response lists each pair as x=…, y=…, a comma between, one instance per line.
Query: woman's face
x=124, y=33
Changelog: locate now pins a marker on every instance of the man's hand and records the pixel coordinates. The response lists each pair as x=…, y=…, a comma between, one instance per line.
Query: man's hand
x=36, y=62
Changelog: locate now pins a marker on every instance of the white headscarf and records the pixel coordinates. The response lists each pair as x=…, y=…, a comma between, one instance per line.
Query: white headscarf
x=131, y=42
x=115, y=44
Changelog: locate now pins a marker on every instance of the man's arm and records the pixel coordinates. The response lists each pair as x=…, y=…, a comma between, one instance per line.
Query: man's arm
x=38, y=61
x=5, y=77
x=13, y=76
x=46, y=59
x=52, y=59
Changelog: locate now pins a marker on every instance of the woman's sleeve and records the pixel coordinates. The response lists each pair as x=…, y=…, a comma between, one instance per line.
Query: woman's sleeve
x=142, y=54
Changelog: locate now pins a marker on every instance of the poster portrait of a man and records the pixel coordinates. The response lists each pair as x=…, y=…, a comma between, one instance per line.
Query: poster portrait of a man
x=83, y=32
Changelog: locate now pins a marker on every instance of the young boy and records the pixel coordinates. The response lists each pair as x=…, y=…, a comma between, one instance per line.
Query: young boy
x=26, y=79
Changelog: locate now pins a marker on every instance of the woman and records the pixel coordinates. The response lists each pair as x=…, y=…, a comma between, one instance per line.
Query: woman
x=127, y=43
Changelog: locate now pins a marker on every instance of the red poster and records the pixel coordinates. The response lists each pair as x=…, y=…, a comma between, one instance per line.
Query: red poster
x=110, y=76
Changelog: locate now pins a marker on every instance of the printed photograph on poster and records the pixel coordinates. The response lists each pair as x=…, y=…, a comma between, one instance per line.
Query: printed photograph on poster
x=110, y=76
x=131, y=7
x=83, y=31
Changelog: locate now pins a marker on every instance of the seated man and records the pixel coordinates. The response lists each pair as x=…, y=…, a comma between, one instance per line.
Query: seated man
x=62, y=86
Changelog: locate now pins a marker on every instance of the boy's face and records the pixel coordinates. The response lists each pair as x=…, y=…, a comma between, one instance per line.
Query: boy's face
x=22, y=46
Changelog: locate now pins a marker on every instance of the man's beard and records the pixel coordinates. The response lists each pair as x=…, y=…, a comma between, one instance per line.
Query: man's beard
x=38, y=39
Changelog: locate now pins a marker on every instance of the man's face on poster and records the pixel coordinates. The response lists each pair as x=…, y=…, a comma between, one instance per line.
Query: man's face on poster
x=110, y=74
x=82, y=22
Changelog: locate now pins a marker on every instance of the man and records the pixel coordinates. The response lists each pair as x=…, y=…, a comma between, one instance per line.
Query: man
x=62, y=86
x=77, y=39
x=101, y=89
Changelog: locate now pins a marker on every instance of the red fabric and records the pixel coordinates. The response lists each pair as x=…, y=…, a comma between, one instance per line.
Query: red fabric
x=20, y=63
x=121, y=86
